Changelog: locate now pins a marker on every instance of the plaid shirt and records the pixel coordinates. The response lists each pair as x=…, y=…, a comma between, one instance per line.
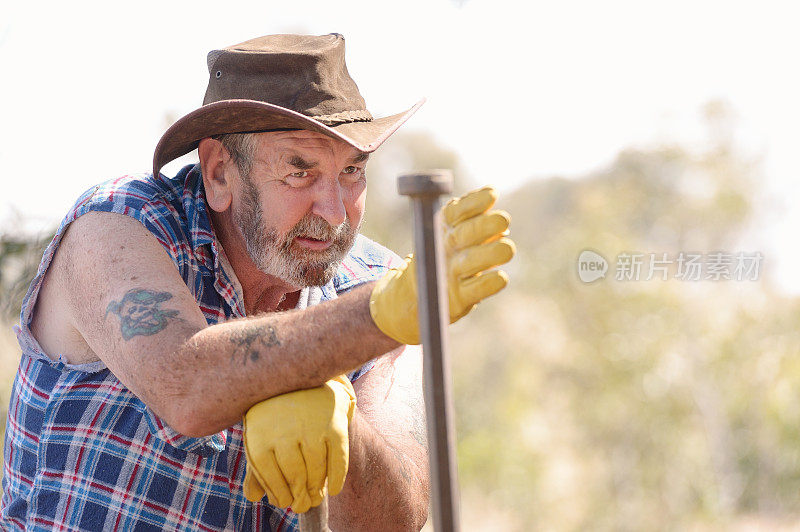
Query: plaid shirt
x=84, y=453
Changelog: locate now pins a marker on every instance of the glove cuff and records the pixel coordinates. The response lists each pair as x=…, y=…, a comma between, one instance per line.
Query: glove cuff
x=343, y=383
x=392, y=304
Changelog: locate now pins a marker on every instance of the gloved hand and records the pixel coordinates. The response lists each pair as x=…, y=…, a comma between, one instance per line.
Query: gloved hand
x=294, y=441
x=474, y=241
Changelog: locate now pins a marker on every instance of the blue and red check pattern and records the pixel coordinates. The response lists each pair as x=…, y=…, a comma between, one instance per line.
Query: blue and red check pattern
x=82, y=452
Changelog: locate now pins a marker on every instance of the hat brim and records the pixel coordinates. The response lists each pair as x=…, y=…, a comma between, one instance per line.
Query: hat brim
x=242, y=116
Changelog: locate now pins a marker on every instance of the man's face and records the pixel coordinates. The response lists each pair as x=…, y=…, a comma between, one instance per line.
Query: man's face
x=301, y=207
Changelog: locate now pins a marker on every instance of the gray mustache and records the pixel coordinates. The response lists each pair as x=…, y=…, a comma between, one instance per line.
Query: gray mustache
x=315, y=227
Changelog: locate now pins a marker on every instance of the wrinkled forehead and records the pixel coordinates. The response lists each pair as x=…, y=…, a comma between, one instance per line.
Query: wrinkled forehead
x=280, y=145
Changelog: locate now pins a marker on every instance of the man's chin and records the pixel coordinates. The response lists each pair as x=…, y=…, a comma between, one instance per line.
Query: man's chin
x=319, y=274
x=300, y=267
x=318, y=268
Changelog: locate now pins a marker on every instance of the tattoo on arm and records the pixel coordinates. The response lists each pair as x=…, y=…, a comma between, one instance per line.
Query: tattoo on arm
x=248, y=341
x=140, y=312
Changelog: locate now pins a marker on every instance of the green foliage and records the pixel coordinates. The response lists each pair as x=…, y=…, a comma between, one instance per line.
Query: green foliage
x=631, y=405
x=19, y=258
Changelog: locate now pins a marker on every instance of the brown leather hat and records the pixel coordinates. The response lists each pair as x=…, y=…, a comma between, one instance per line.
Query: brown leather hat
x=280, y=82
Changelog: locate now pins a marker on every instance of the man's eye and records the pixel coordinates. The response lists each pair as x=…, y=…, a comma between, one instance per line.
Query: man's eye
x=299, y=174
x=350, y=170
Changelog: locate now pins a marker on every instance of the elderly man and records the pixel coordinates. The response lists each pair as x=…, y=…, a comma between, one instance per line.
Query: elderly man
x=189, y=343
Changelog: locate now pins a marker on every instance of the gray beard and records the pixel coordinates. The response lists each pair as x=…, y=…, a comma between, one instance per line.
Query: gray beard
x=283, y=259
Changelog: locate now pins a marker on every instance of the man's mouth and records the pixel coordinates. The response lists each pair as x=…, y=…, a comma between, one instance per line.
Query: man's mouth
x=314, y=244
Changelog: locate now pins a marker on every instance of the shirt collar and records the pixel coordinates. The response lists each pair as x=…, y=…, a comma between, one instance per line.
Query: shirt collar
x=195, y=206
x=203, y=242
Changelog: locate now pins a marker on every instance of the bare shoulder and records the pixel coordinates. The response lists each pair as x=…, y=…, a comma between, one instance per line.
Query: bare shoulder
x=62, y=287
x=109, y=293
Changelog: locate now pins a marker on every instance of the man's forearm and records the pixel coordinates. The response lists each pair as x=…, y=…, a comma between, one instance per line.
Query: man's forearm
x=224, y=369
x=387, y=483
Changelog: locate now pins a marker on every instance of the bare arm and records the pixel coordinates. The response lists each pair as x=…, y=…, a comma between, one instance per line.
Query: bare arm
x=387, y=485
x=124, y=296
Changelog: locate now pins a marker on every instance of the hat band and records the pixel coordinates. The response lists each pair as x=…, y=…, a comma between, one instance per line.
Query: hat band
x=343, y=117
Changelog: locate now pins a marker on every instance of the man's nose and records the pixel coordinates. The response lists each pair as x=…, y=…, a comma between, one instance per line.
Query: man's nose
x=328, y=203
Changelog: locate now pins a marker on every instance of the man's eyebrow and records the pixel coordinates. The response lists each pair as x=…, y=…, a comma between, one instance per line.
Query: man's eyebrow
x=300, y=163
x=360, y=158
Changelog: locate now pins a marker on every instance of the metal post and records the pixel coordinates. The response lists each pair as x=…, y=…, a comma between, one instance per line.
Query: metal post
x=424, y=190
x=315, y=519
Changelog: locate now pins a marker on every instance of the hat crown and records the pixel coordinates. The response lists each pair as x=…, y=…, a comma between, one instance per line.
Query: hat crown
x=304, y=73
x=280, y=82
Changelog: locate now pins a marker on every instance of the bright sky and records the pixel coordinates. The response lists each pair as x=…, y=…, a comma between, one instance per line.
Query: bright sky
x=518, y=89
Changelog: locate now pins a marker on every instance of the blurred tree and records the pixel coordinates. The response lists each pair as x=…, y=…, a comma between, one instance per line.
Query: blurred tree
x=632, y=405
x=19, y=259
x=388, y=217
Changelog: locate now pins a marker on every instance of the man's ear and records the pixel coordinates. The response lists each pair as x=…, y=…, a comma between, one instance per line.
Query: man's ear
x=214, y=159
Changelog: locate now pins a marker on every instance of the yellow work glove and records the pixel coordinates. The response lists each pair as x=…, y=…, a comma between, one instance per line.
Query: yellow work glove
x=474, y=242
x=294, y=441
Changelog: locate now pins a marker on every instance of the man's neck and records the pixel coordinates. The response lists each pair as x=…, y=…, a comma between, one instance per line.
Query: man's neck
x=261, y=292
